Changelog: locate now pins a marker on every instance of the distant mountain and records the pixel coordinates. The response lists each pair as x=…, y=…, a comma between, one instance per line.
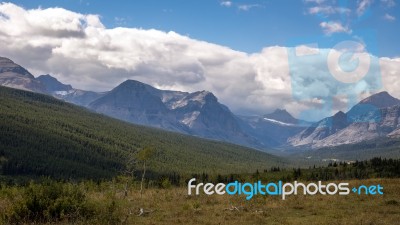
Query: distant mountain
x=281, y=116
x=201, y=114
x=66, y=92
x=205, y=116
x=52, y=85
x=138, y=103
x=15, y=76
x=374, y=117
x=275, y=128
x=380, y=100
x=197, y=113
x=79, y=97
x=383, y=122
x=320, y=130
x=371, y=106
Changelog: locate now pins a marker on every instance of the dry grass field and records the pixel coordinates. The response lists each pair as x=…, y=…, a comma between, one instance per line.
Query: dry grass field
x=107, y=204
x=175, y=207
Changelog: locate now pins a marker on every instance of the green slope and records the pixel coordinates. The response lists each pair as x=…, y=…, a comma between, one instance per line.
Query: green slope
x=40, y=135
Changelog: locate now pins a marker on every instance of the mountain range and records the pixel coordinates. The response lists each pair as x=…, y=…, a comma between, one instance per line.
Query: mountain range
x=374, y=117
x=201, y=114
x=63, y=91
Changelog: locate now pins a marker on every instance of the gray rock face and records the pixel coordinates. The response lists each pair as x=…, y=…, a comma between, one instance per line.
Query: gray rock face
x=320, y=130
x=374, y=117
x=363, y=131
x=14, y=76
x=205, y=116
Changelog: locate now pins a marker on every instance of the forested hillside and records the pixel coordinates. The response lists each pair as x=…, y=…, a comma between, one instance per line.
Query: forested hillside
x=40, y=135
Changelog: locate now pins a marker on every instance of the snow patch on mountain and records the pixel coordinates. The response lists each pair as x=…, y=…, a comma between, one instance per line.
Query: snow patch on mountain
x=279, y=122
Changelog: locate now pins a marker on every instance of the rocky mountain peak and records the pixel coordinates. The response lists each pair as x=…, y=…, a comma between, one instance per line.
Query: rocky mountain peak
x=281, y=115
x=134, y=86
x=132, y=83
x=4, y=61
x=339, y=114
x=52, y=84
x=207, y=96
x=8, y=68
x=15, y=76
x=381, y=100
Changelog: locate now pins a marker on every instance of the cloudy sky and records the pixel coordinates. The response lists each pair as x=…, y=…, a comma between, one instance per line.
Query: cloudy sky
x=312, y=57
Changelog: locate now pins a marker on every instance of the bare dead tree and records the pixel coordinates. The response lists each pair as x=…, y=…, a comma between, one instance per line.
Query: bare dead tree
x=144, y=155
x=129, y=172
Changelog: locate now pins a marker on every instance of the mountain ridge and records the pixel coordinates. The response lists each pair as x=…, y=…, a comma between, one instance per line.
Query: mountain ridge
x=15, y=76
x=198, y=113
x=201, y=114
x=373, y=117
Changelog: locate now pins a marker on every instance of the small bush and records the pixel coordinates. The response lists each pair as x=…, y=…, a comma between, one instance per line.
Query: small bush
x=49, y=202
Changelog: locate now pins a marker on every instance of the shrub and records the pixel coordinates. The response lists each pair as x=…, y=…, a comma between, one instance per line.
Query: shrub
x=49, y=202
x=166, y=183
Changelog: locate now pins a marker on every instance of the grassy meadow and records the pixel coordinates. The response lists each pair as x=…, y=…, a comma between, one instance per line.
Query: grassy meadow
x=106, y=203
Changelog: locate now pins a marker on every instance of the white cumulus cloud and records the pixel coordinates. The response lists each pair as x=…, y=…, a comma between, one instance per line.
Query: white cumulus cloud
x=79, y=50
